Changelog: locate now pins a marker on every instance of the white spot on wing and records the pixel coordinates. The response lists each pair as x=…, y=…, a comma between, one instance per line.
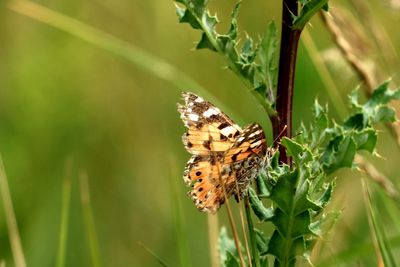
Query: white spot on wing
x=255, y=133
x=209, y=112
x=228, y=130
x=256, y=143
x=193, y=117
x=199, y=99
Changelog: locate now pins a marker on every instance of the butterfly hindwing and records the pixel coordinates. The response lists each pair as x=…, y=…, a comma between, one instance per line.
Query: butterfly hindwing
x=203, y=175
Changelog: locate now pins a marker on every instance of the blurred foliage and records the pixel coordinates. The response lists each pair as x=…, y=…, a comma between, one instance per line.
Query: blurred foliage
x=63, y=98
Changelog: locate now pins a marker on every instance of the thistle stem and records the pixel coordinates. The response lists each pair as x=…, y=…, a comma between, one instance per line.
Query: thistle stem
x=287, y=64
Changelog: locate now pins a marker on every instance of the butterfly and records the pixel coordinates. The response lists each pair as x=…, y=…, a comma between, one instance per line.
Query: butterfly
x=225, y=158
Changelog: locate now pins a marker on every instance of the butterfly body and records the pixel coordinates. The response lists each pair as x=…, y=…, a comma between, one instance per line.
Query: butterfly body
x=225, y=157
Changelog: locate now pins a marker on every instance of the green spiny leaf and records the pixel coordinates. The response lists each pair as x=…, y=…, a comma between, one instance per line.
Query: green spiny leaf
x=262, y=188
x=244, y=63
x=209, y=22
x=383, y=95
x=356, y=121
x=205, y=43
x=353, y=98
x=261, y=241
x=264, y=262
x=267, y=54
x=324, y=223
x=339, y=154
x=284, y=256
x=384, y=114
x=293, y=148
x=282, y=193
x=185, y=16
x=302, y=202
x=366, y=140
x=233, y=30
x=262, y=213
x=326, y=195
x=320, y=124
x=231, y=261
x=291, y=226
x=374, y=110
x=307, y=11
x=275, y=245
x=300, y=225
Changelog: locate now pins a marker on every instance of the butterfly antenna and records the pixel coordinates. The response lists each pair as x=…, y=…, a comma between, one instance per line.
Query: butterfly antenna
x=280, y=134
x=228, y=207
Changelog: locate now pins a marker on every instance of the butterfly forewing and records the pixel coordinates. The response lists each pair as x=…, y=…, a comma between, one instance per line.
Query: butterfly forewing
x=207, y=126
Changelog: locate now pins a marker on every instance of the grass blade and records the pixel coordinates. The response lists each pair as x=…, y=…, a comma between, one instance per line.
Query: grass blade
x=144, y=60
x=159, y=260
x=15, y=240
x=178, y=217
x=256, y=255
x=89, y=220
x=66, y=199
x=383, y=247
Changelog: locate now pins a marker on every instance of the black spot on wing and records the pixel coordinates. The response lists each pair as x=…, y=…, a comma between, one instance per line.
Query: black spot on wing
x=223, y=125
x=234, y=157
x=207, y=144
x=223, y=137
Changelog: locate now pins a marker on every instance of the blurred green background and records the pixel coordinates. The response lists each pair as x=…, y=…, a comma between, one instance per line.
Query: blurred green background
x=63, y=99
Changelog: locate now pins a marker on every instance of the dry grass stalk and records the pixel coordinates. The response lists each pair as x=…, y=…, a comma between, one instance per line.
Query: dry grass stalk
x=377, y=176
x=355, y=49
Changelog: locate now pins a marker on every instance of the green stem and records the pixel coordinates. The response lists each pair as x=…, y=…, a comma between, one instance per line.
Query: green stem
x=254, y=250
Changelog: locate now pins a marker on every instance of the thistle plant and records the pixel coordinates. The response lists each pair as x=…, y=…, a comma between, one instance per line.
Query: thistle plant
x=294, y=190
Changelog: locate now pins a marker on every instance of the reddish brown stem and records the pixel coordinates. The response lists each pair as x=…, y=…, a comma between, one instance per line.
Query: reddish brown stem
x=287, y=65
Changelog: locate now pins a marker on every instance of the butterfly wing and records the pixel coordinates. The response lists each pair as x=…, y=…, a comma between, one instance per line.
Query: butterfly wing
x=245, y=158
x=224, y=156
x=210, y=134
x=208, y=127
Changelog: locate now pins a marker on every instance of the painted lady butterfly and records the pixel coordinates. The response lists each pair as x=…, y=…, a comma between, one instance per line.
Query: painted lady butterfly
x=225, y=157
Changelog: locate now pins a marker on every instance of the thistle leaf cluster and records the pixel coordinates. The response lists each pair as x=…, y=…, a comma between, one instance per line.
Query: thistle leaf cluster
x=253, y=61
x=298, y=194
